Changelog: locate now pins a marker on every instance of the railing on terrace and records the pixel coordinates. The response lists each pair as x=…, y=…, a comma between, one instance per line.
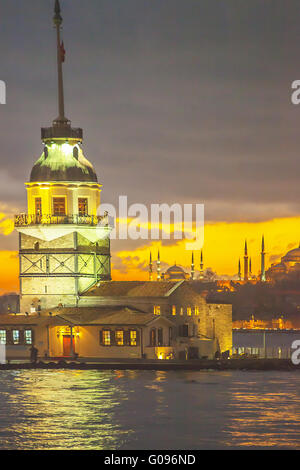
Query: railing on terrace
x=25, y=220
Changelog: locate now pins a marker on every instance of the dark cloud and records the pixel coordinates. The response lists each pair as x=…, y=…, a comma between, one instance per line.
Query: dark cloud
x=180, y=101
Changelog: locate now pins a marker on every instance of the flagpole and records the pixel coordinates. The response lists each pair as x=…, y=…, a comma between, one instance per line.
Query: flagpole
x=61, y=120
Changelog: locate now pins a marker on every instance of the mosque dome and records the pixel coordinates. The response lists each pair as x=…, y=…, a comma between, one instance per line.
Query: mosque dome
x=292, y=256
x=63, y=161
x=175, y=269
x=175, y=273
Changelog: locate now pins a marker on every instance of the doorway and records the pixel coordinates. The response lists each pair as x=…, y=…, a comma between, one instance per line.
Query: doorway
x=67, y=346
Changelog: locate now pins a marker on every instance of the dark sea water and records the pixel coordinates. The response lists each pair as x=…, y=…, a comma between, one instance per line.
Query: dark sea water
x=149, y=410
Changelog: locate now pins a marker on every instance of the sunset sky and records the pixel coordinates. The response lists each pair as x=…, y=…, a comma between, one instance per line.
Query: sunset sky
x=180, y=101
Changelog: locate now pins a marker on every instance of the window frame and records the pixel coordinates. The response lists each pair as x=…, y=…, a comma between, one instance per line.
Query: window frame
x=133, y=330
x=40, y=212
x=119, y=330
x=5, y=333
x=62, y=198
x=103, y=338
x=19, y=337
x=28, y=330
x=157, y=310
x=86, y=213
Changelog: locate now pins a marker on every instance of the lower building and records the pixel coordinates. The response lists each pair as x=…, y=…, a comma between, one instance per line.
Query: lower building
x=125, y=320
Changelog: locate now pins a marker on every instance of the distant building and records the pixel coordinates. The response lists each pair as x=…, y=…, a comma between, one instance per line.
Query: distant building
x=289, y=266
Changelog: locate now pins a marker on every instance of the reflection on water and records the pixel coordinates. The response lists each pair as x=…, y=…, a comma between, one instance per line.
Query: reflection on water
x=149, y=410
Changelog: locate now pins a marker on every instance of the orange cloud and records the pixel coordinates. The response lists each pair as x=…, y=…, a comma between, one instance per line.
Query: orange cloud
x=223, y=246
x=9, y=271
x=6, y=225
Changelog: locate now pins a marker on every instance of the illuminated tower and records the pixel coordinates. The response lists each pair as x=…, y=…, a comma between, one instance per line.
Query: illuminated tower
x=246, y=262
x=192, y=268
x=158, y=267
x=150, y=268
x=201, y=276
x=64, y=246
x=263, y=254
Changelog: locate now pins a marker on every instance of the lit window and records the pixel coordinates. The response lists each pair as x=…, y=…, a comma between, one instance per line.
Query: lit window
x=160, y=337
x=197, y=311
x=174, y=310
x=82, y=206
x=28, y=336
x=119, y=335
x=156, y=310
x=38, y=206
x=2, y=336
x=106, y=337
x=133, y=338
x=181, y=311
x=16, y=336
x=59, y=206
x=189, y=311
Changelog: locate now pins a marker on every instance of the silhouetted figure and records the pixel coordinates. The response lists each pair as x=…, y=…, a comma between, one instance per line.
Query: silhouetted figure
x=217, y=355
x=33, y=354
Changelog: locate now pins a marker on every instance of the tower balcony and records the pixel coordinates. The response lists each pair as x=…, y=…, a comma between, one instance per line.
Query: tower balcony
x=26, y=220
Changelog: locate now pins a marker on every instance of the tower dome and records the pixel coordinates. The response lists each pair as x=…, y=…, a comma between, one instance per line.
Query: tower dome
x=63, y=161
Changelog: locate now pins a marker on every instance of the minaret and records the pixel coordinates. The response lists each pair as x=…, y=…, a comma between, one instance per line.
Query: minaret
x=263, y=254
x=192, y=268
x=240, y=271
x=201, y=276
x=150, y=268
x=158, y=267
x=64, y=245
x=246, y=262
x=250, y=269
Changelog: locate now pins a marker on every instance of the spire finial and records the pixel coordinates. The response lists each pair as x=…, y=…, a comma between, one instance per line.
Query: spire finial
x=57, y=17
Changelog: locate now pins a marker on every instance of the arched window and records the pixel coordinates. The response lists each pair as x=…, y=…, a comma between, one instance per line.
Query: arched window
x=160, y=337
x=153, y=337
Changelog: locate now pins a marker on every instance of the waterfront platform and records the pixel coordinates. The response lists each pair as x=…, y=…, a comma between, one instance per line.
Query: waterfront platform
x=162, y=365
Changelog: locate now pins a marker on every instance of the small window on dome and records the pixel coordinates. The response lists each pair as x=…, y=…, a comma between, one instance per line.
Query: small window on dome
x=46, y=151
x=75, y=152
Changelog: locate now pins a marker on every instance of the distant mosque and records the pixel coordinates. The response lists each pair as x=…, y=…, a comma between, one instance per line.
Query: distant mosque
x=289, y=267
x=175, y=273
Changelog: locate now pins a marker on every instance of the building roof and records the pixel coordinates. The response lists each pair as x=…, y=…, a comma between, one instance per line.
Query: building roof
x=81, y=316
x=132, y=289
x=103, y=316
x=63, y=161
x=30, y=320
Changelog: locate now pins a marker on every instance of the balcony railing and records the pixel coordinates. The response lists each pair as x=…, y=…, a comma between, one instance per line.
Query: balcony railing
x=25, y=220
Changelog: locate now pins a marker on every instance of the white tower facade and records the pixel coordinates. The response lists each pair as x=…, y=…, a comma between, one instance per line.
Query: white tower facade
x=64, y=245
